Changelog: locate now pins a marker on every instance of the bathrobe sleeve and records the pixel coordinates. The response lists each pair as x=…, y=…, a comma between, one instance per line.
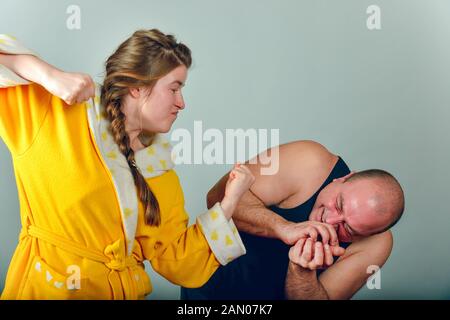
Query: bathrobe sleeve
x=23, y=105
x=10, y=45
x=188, y=256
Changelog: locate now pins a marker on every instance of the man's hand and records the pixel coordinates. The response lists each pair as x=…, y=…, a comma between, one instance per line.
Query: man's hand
x=313, y=255
x=290, y=232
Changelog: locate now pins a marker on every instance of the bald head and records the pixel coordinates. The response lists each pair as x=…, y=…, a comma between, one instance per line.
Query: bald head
x=388, y=197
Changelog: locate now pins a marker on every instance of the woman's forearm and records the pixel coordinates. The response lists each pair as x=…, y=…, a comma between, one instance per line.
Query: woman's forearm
x=28, y=67
x=69, y=86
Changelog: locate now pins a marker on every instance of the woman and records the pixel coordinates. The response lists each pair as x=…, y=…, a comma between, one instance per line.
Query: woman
x=97, y=189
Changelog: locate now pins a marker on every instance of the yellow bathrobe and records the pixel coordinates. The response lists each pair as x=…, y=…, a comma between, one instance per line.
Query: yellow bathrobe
x=83, y=232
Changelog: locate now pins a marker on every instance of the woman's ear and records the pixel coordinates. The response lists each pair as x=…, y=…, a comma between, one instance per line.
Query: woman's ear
x=135, y=92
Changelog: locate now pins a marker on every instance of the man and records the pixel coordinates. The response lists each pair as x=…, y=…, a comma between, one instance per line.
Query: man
x=291, y=223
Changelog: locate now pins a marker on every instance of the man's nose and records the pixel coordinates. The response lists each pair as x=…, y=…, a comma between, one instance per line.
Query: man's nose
x=334, y=218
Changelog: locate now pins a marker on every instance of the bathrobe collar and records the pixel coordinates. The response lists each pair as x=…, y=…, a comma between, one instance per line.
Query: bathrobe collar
x=152, y=161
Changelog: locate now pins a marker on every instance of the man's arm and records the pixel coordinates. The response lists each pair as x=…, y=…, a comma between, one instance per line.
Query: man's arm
x=302, y=284
x=344, y=278
x=251, y=214
x=295, y=160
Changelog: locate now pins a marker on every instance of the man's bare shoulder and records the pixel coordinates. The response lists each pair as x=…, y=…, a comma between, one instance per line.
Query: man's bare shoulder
x=302, y=167
x=309, y=161
x=296, y=154
x=305, y=148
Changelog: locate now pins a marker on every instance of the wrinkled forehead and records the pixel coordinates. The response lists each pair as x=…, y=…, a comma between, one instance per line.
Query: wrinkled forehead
x=365, y=207
x=361, y=188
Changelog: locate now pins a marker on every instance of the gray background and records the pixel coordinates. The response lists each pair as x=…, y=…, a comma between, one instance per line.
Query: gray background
x=380, y=99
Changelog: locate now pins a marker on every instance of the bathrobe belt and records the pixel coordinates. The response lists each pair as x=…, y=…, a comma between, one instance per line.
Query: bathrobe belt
x=114, y=258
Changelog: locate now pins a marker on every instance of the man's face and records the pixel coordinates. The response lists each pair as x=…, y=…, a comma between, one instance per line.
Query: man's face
x=353, y=208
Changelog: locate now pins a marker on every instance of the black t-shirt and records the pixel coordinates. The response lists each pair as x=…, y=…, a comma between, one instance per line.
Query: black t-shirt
x=260, y=274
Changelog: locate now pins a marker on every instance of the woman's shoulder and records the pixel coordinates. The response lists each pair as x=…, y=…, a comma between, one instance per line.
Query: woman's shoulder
x=169, y=192
x=166, y=187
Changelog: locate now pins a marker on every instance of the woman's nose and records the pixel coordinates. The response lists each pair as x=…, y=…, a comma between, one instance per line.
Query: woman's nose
x=180, y=102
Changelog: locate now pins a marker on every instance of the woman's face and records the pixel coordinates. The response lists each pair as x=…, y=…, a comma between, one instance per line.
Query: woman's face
x=160, y=105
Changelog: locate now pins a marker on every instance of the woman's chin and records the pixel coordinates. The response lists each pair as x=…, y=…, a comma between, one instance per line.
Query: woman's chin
x=163, y=129
x=166, y=127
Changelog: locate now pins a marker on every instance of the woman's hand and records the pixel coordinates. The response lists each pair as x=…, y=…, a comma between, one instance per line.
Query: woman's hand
x=239, y=181
x=71, y=87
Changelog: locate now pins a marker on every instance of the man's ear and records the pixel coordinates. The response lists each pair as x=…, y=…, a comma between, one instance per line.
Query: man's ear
x=344, y=178
x=135, y=92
